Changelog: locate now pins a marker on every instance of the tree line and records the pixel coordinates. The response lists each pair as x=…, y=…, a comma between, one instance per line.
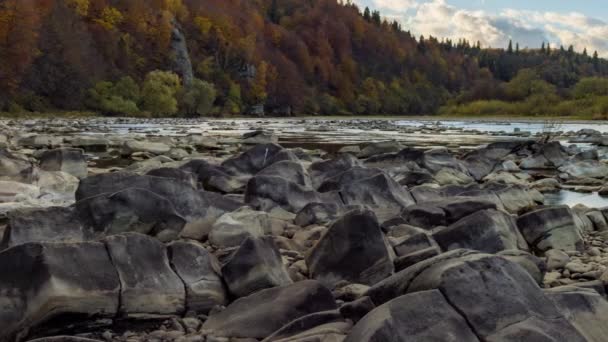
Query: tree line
x=290, y=57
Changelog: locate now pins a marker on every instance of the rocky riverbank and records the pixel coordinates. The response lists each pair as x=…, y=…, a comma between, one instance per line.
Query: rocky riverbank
x=145, y=235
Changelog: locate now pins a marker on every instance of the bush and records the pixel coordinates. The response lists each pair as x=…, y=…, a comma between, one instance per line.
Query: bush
x=115, y=99
x=159, y=91
x=590, y=87
x=198, y=98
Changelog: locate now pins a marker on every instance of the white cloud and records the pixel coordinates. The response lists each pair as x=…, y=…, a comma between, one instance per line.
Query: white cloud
x=529, y=28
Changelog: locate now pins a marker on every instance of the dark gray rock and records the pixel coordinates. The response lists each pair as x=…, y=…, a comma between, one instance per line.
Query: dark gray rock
x=551, y=228
x=584, y=308
x=200, y=272
x=420, y=316
x=357, y=309
x=254, y=266
x=482, y=288
x=214, y=177
x=317, y=213
x=173, y=173
x=148, y=284
x=290, y=170
x=69, y=160
x=407, y=260
x=45, y=282
x=253, y=160
x=488, y=231
x=424, y=216
x=380, y=192
x=54, y=224
x=354, y=174
x=416, y=240
x=264, y=312
x=353, y=249
x=265, y=193
x=321, y=171
x=304, y=325
x=534, y=265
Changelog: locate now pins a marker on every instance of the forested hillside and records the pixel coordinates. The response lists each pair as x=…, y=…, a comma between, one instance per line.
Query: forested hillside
x=283, y=57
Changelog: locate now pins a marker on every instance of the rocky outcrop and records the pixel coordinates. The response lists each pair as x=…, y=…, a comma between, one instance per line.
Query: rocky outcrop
x=551, y=228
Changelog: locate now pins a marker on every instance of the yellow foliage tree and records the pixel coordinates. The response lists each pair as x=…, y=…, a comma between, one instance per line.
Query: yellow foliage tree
x=110, y=17
x=81, y=7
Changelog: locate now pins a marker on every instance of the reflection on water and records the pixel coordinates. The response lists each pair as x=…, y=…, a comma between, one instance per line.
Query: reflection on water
x=572, y=198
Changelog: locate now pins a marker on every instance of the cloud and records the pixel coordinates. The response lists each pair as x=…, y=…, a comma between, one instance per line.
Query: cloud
x=530, y=29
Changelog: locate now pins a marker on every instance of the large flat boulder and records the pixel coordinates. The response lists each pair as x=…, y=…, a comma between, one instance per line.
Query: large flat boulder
x=293, y=171
x=489, y=231
x=353, y=249
x=43, y=282
x=264, y=312
x=551, y=228
x=498, y=299
x=54, y=224
x=148, y=284
x=419, y=316
x=253, y=160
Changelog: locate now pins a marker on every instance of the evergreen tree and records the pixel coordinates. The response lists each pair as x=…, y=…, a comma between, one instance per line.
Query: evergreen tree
x=367, y=14
x=510, y=48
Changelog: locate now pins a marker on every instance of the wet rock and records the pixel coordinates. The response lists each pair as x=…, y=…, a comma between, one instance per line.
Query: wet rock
x=489, y=231
x=353, y=249
x=264, y=312
x=410, y=317
x=148, y=284
x=254, y=266
x=69, y=160
x=48, y=281
x=551, y=228
x=200, y=272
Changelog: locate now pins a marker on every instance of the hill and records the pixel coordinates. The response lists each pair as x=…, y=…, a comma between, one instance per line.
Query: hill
x=284, y=57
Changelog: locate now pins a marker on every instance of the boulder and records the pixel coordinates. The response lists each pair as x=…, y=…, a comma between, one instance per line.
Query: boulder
x=447, y=176
x=289, y=170
x=424, y=216
x=69, y=160
x=585, y=309
x=585, y=169
x=318, y=213
x=254, y=266
x=148, y=284
x=416, y=239
x=131, y=210
x=551, y=228
x=489, y=231
x=318, y=326
x=420, y=316
x=264, y=312
x=39, y=141
x=597, y=218
x=11, y=191
x=132, y=146
x=49, y=281
x=177, y=174
x=380, y=192
x=253, y=160
x=200, y=272
x=90, y=143
x=231, y=229
x=376, y=148
x=16, y=169
x=498, y=299
x=353, y=249
x=457, y=207
x=54, y=224
x=323, y=170
x=440, y=158
x=534, y=265
x=354, y=174
x=214, y=177
x=267, y=192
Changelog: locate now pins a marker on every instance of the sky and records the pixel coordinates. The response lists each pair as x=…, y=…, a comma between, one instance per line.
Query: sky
x=582, y=23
